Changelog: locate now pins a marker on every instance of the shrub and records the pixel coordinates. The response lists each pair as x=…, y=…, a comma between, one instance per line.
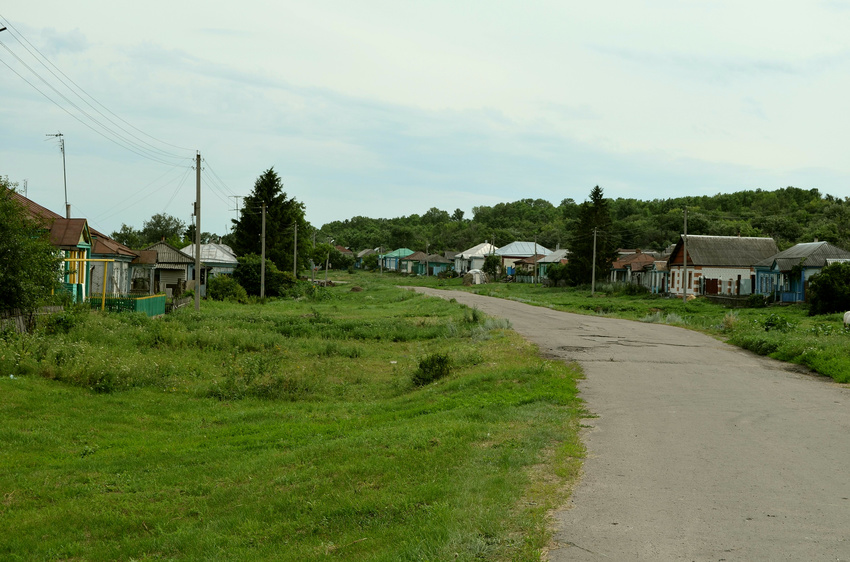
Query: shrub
x=829, y=290
x=226, y=288
x=431, y=368
x=757, y=301
x=776, y=322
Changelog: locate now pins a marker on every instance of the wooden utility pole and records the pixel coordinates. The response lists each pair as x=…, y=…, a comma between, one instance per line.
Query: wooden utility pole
x=685, y=260
x=593, y=275
x=263, y=257
x=198, y=231
x=295, y=254
x=60, y=136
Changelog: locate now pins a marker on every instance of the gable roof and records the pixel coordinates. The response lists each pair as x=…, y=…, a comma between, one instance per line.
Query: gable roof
x=635, y=261
x=103, y=245
x=483, y=249
x=522, y=249
x=723, y=251
x=812, y=254
x=415, y=256
x=64, y=233
x=213, y=253
x=399, y=253
x=166, y=253
x=556, y=257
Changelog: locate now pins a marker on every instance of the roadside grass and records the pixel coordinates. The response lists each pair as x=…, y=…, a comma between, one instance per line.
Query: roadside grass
x=786, y=333
x=283, y=431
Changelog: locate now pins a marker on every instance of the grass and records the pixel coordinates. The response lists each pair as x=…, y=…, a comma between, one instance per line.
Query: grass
x=786, y=333
x=283, y=431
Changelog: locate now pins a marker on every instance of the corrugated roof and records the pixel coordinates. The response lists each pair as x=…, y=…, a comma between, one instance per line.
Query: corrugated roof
x=556, y=256
x=812, y=254
x=400, y=253
x=213, y=253
x=725, y=251
x=483, y=249
x=522, y=249
x=168, y=254
x=634, y=261
x=366, y=252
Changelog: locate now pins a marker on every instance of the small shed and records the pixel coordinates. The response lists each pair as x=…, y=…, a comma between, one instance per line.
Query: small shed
x=172, y=269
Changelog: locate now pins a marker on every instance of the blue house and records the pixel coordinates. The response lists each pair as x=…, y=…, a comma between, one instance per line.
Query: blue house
x=786, y=274
x=392, y=260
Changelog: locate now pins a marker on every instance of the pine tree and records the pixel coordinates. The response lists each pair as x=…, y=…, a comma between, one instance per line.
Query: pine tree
x=282, y=214
x=593, y=214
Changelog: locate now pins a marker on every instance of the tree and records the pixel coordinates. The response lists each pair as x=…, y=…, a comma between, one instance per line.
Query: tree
x=593, y=216
x=128, y=236
x=829, y=290
x=29, y=264
x=163, y=227
x=248, y=275
x=282, y=214
x=491, y=266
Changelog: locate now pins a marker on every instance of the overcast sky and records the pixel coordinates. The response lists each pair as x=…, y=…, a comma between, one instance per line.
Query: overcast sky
x=388, y=108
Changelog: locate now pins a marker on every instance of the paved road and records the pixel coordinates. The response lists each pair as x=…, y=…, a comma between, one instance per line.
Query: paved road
x=701, y=451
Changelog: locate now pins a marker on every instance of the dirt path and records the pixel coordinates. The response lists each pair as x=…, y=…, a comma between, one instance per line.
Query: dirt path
x=701, y=451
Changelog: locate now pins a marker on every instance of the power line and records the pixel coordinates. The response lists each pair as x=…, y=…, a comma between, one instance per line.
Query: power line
x=42, y=59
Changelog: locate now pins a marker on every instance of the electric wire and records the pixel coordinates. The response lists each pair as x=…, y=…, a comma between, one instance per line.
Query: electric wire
x=77, y=118
x=42, y=59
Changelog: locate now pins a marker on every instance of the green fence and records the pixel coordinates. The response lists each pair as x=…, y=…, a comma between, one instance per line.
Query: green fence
x=153, y=305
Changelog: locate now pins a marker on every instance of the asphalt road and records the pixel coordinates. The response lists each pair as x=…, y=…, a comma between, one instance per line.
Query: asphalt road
x=700, y=451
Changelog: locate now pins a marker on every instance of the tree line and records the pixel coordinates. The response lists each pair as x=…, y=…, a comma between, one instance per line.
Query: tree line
x=789, y=215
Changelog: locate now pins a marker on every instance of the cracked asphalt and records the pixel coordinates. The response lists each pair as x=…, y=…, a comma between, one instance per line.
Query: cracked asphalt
x=700, y=451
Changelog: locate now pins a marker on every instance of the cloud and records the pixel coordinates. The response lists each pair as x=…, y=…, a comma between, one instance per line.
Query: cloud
x=62, y=43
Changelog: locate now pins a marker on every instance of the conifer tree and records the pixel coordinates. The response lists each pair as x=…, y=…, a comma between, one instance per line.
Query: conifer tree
x=593, y=214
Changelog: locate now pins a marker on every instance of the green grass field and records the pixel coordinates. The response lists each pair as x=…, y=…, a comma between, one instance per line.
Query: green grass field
x=290, y=430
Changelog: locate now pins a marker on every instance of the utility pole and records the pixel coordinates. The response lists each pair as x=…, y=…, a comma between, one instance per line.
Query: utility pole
x=61, y=138
x=263, y=257
x=198, y=232
x=237, y=197
x=534, y=277
x=593, y=275
x=295, y=254
x=685, y=260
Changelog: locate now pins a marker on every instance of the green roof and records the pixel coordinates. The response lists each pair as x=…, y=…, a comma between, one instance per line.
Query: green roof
x=400, y=253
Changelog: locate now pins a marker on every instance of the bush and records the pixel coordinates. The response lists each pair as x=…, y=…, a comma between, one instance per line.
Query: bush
x=226, y=288
x=431, y=368
x=757, y=301
x=829, y=290
x=777, y=323
x=247, y=274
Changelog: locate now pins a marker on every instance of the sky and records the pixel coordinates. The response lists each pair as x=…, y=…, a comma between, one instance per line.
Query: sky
x=388, y=108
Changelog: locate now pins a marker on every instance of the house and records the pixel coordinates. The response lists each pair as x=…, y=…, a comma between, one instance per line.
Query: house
x=420, y=263
x=630, y=266
x=657, y=277
x=516, y=251
x=473, y=258
x=413, y=263
x=344, y=251
x=558, y=256
x=216, y=259
x=173, y=269
x=391, y=261
x=787, y=273
x=361, y=255
x=717, y=264
x=526, y=269
x=73, y=238
x=119, y=271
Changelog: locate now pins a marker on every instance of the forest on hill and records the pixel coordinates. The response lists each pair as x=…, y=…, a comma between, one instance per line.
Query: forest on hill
x=789, y=215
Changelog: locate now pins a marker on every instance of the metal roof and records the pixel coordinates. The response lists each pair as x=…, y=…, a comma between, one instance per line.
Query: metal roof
x=483, y=249
x=168, y=254
x=811, y=254
x=213, y=253
x=556, y=256
x=522, y=249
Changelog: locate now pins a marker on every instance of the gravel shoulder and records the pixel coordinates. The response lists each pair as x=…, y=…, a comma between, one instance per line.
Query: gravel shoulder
x=700, y=451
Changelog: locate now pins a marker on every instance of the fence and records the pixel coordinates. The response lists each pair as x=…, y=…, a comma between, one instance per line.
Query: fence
x=15, y=320
x=152, y=305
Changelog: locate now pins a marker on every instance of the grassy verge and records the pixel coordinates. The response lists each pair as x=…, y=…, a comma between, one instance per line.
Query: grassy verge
x=786, y=333
x=284, y=431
